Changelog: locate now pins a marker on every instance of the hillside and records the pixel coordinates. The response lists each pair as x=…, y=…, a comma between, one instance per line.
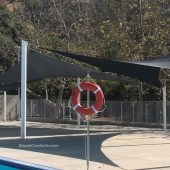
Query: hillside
x=123, y=30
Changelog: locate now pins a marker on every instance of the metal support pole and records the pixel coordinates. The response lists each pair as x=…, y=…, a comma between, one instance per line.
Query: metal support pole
x=88, y=130
x=5, y=106
x=88, y=144
x=19, y=103
x=23, y=87
x=19, y=89
x=78, y=116
x=164, y=108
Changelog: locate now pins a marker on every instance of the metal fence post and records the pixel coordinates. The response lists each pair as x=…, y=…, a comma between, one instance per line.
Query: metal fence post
x=63, y=110
x=78, y=116
x=133, y=110
x=121, y=111
x=161, y=115
x=19, y=103
x=70, y=114
x=5, y=104
x=31, y=107
x=164, y=108
x=146, y=113
x=70, y=118
x=24, y=45
x=44, y=109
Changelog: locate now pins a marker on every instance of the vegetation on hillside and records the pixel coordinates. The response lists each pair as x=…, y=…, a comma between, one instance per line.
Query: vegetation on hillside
x=117, y=29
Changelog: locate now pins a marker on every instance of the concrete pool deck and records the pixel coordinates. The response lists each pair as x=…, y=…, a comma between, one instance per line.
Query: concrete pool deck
x=61, y=146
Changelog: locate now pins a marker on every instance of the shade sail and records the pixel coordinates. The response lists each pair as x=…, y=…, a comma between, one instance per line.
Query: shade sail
x=143, y=72
x=9, y=87
x=42, y=66
x=161, y=62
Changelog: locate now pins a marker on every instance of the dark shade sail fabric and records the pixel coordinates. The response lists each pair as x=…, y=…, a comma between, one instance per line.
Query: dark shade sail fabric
x=40, y=66
x=9, y=87
x=161, y=62
x=143, y=72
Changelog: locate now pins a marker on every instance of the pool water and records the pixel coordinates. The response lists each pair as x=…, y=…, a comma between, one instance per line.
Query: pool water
x=11, y=164
x=4, y=167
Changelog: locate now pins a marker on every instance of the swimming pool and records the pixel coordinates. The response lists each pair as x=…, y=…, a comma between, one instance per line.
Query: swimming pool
x=4, y=167
x=11, y=164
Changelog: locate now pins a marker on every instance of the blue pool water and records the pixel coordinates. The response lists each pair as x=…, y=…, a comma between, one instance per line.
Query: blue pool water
x=3, y=167
x=11, y=164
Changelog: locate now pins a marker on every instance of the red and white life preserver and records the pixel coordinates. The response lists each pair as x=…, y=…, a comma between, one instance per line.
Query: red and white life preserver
x=75, y=103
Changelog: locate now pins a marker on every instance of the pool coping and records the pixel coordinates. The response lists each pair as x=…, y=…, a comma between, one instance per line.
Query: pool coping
x=23, y=165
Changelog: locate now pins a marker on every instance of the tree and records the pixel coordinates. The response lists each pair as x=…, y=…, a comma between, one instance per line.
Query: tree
x=8, y=38
x=118, y=29
x=139, y=30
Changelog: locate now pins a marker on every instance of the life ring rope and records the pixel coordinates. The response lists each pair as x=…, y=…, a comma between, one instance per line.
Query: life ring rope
x=80, y=88
x=75, y=107
x=99, y=89
x=88, y=78
x=104, y=107
x=96, y=111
